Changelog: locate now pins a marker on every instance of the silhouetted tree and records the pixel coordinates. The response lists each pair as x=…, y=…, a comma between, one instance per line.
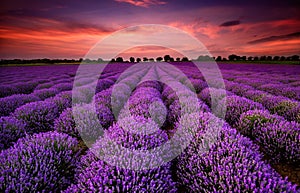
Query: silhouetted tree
x=138, y=60
x=80, y=59
x=282, y=58
x=289, y=58
x=177, y=59
x=132, y=59
x=172, y=59
x=184, y=59
x=219, y=58
x=145, y=59
x=244, y=58
x=151, y=59
x=87, y=60
x=276, y=58
x=250, y=58
x=263, y=58
x=232, y=57
x=269, y=58
x=113, y=60
x=256, y=58
x=100, y=60
x=159, y=59
x=205, y=58
x=295, y=57
x=119, y=59
x=167, y=58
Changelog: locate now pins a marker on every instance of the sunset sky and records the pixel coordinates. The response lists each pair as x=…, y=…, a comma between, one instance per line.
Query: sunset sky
x=68, y=29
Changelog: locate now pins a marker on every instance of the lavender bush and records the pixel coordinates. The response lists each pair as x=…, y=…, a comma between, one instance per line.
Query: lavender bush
x=232, y=164
x=281, y=141
x=11, y=129
x=11, y=103
x=44, y=162
x=45, y=93
x=38, y=116
x=253, y=120
x=100, y=176
x=236, y=106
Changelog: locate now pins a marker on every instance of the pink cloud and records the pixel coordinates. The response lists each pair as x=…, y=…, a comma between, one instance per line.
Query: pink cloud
x=209, y=30
x=142, y=3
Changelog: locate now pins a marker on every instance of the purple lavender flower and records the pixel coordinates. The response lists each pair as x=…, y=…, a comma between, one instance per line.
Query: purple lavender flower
x=38, y=116
x=63, y=86
x=10, y=103
x=65, y=123
x=289, y=109
x=44, y=85
x=153, y=84
x=235, y=106
x=11, y=129
x=7, y=90
x=238, y=89
x=281, y=141
x=26, y=87
x=253, y=120
x=44, y=162
x=81, y=122
x=231, y=164
x=213, y=96
x=198, y=85
x=281, y=89
x=100, y=176
x=103, y=97
x=62, y=100
x=45, y=93
x=103, y=84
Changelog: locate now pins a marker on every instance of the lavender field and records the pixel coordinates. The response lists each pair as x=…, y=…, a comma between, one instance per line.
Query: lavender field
x=150, y=128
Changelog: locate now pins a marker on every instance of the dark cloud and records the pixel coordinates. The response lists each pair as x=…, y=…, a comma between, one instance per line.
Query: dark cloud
x=43, y=20
x=230, y=23
x=274, y=38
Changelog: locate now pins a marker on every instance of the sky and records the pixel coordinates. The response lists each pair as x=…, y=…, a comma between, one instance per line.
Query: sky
x=69, y=29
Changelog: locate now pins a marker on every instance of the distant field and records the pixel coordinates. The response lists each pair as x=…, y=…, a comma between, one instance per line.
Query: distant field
x=243, y=127
x=219, y=62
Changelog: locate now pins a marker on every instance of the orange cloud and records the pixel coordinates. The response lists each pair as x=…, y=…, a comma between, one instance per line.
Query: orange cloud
x=142, y=3
x=52, y=43
x=273, y=48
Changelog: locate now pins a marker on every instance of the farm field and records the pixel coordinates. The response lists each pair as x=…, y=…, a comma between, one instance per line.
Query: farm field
x=174, y=128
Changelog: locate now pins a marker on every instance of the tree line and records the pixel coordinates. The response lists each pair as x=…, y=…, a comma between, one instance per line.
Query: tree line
x=232, y=57
x=166, y=58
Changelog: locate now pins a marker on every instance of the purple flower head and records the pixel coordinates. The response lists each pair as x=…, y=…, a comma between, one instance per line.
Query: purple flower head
x=235, y=106
x=38, y=116
x=281, y=141
x=11, y=103
x=11, y=129
x=252, y=120
x=45, y=93
x=231, y=164
x=40, y=163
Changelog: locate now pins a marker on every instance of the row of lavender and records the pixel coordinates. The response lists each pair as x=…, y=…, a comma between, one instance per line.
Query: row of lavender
x=39, y=117
x=238, y=151
x=260, y=116
x=36, y=111
x=227, y=162
x=231, y=163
